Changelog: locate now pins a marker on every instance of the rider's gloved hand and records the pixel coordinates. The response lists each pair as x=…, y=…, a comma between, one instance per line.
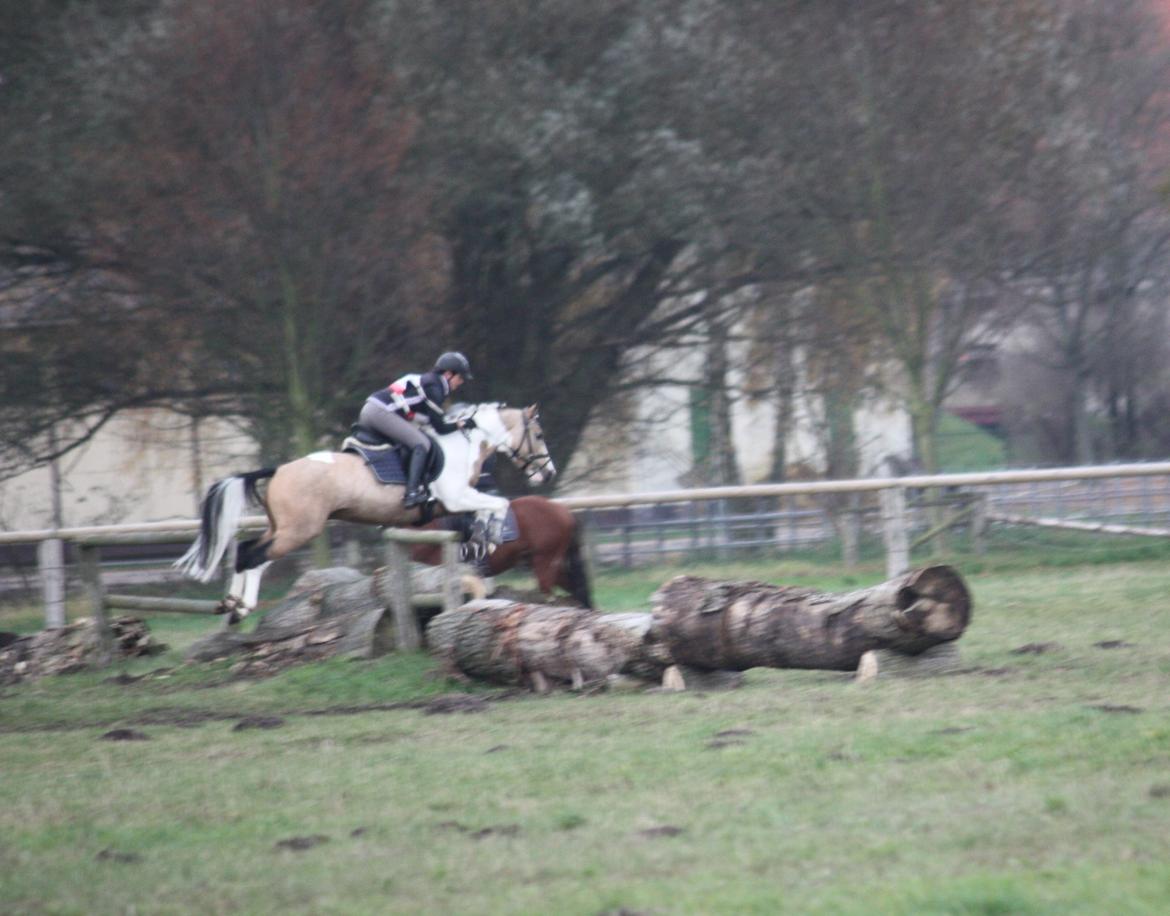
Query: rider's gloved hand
x=469, y=423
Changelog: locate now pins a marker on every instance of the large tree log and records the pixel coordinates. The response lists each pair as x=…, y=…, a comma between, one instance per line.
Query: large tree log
x=509, y=642
x=740, y=625
x=337, y=611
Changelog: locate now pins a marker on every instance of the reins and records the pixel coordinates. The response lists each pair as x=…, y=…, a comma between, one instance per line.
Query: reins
x=524, y=462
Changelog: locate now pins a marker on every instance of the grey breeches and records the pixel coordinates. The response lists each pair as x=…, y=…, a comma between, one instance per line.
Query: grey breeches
x=381, y=417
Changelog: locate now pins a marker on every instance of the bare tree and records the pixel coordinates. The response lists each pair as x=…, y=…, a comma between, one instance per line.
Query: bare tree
x=1094, y=221
x=248, y=242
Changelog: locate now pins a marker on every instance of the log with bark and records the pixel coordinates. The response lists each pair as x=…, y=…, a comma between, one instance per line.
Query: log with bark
x=337, y=611
x=541, y=646
x=710, y=624
x=702, y=632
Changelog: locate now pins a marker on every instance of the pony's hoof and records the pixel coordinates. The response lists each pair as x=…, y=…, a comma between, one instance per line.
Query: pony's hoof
x=227, y=606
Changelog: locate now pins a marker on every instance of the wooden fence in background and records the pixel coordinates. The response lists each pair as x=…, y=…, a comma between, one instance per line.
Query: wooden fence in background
x=891, y=495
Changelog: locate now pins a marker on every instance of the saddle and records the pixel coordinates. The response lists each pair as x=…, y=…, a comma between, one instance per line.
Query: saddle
x=386, y=459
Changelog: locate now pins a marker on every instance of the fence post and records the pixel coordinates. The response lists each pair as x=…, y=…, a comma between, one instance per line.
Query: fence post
x=452, y=587
x=979, y=524
x=51, y=561
x=352, y=553
x=90, y=568
x=849, y=523
x=406, y=632
x=894, y=533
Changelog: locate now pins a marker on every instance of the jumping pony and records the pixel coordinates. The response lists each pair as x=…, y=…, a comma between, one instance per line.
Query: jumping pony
x=547, y=538
x=304, y=494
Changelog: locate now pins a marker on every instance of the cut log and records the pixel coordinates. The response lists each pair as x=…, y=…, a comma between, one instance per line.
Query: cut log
x=75, y=647
x=541, y=646
x=336, y=611
x=739, y=625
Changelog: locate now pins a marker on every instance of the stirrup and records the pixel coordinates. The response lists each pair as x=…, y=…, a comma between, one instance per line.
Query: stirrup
x=415, y=499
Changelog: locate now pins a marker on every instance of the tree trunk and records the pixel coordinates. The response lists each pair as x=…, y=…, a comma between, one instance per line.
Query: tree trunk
x=506, y=642
x=741, y=625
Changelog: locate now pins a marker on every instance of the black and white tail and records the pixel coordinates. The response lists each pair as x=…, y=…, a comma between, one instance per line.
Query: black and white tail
x=223, y=506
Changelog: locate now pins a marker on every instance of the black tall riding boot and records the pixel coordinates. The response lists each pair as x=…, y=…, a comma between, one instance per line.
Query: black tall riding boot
x=416, y=495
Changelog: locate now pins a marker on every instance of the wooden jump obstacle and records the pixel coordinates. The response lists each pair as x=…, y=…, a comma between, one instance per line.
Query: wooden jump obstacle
x=403, y=600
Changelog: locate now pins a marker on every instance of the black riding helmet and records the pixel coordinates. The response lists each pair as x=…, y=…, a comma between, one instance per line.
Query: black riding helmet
x=454, y=362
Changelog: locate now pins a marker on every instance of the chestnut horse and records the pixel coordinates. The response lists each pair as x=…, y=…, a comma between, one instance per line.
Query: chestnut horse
x=548, y=539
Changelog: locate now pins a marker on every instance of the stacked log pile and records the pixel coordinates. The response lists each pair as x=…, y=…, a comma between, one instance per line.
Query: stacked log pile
x=338, y=611
x=75, y=647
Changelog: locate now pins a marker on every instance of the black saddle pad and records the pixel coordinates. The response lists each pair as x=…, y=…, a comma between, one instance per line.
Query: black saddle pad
x=389, y=464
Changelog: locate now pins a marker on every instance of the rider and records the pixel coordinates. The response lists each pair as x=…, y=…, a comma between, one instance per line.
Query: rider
x=398, y=410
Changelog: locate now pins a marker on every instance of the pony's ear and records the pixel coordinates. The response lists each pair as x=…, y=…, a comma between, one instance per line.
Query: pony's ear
x=532, y=411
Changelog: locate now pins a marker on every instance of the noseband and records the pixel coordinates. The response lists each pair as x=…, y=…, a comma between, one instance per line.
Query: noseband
x=525, y=463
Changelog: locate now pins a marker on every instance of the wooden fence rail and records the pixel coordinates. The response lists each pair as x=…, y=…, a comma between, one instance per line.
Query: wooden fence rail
x=891, y=490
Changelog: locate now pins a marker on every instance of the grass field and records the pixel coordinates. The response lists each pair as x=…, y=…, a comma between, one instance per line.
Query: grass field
x=1034, y=781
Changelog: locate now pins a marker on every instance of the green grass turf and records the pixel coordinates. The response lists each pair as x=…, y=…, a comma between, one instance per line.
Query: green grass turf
x=1032, y=782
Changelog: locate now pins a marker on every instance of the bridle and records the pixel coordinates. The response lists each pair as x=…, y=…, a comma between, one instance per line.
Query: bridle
x=526, y=462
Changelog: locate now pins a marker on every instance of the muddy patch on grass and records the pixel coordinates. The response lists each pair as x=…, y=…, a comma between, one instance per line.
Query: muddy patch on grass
x=1113, y=644
x=186, y=717
x=1037, y=648
x=125, y=734
x=181, y=717
x=481, y=834
x=729, y=737
x=122, y=858
x=262, y=722
x=455, y=702
x=301, y=843
x=666, y=830
x=1117, y=708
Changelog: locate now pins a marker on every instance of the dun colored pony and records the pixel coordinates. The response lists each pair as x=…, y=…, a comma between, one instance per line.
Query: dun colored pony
x=304, y=494
x=548, y=539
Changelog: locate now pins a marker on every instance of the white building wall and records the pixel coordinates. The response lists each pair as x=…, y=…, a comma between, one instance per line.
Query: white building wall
x=138, y=468
x=658, y=454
